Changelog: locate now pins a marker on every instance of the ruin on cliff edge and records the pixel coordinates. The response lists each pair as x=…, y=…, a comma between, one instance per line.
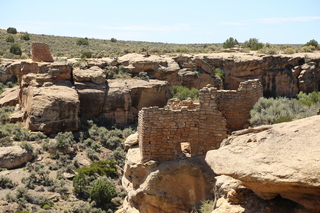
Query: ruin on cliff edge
x=201, y=127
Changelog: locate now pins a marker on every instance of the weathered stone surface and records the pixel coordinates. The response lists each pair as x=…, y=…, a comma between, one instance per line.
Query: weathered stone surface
x=51, y=109
x=40, y=52
x=9, y=97
x=233, y=197
x=131, y=140
x=282, y=160
x=94, y=74
x=92, y=98
x=171, y=186
x=126, y=97
x=14, y=156
x=37, y=74
x=135, y=63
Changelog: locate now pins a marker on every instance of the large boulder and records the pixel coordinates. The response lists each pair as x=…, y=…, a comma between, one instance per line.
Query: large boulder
x=51, y=108
x=170, y=186
x=282, y=159
x=14, y=156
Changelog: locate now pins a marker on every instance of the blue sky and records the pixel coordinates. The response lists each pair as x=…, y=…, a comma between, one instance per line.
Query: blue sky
x=171, y=21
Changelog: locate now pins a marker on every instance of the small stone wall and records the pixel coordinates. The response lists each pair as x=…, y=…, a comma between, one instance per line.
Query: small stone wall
x=235, y=105
x=162, y=131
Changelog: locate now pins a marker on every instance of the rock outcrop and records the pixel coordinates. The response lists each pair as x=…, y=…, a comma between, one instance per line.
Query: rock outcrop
x=47, y=98
x=275, y=160
x=127, y=96
x=40, y=52
x=92, y=89
x=14, y=156
x=9, y=97
x=280, y=74
x=170, y=186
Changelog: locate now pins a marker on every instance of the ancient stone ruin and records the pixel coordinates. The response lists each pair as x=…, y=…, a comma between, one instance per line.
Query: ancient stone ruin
x=40, y=52
x=186, y=128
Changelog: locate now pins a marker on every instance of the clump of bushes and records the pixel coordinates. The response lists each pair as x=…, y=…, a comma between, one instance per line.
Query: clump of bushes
x=10, y=39
x=6, y=182
x=82, y=41
x=12, y=30
x=15, y=49
x=270, y=110
x=183, y=93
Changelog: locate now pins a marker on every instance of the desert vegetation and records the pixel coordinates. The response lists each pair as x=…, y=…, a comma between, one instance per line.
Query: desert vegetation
x=73, y=47
x=83, y=169
x=282, y=109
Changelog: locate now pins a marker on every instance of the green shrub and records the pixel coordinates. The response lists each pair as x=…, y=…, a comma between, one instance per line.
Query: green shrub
x=27, y=146
x=86, y=54
x=253, y=44
x=10, y=39
x=113, y=40
x=104, y=167
x=270, y=111
x=309, y=99
x=183, y=93
x=25, y=37
x=12, y=30
x=64, y=140
x=309, y=48
x=206, y=206
x=5, y=114
x=289, y=50
x=82, y=41
x=312, y=43
x=81, y=185
x=230, y=42
x=6, y=182
x=102, y=191
x=15, y=49
x=219, y=73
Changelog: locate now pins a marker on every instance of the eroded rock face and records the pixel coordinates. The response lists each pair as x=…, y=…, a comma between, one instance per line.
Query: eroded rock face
x=126, y=97
x=48, y=100
x=14, y=156
x=279, y=160
x=52, y=108
x=9, y=97
x=171, y=186
x=92, y=89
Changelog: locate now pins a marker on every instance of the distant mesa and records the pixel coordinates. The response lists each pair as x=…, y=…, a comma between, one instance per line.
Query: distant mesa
x=41, y=52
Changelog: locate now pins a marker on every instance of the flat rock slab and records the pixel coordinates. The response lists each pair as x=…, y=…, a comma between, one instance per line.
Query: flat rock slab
x=282, y=159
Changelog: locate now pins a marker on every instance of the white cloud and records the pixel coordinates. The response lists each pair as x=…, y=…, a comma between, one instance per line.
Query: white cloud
x=163, y=28
x=288, y=19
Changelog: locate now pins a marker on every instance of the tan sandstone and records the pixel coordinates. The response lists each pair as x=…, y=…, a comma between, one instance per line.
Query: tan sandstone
x=279, y=160
x=14, y=156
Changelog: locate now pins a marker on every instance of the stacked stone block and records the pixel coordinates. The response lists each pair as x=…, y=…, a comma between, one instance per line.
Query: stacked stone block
x=161, y=131
x=235, y=105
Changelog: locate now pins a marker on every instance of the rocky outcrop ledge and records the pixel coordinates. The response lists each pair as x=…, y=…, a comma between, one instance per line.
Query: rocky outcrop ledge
x=281, y=159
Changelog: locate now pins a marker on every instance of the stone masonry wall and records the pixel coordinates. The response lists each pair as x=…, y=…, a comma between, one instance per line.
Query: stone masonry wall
x=161, y=131
x=235, y=105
